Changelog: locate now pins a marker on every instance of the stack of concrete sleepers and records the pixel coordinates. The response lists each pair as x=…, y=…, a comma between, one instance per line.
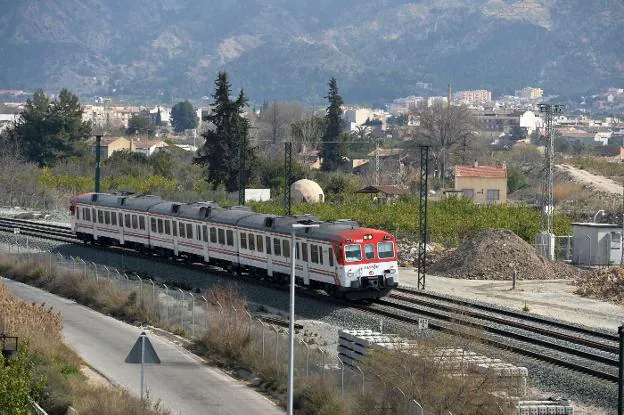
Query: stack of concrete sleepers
x=561, y=407
x=353, y=345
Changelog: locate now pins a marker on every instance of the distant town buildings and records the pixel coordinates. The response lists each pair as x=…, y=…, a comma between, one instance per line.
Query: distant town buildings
x=475, y=96
x=529, y=93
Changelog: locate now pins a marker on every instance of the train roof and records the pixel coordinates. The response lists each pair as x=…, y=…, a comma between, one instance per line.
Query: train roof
x=197, y=211
x=232, y=215
x=117, y=200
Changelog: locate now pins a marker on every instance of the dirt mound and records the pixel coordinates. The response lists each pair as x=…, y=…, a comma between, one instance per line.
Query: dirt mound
x=602, y=284
x=494, y=254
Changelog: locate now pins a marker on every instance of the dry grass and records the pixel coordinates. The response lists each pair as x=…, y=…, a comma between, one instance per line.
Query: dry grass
x=569, y=191
x=41, y=328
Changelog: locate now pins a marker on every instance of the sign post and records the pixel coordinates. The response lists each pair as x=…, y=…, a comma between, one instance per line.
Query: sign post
x=142, y=352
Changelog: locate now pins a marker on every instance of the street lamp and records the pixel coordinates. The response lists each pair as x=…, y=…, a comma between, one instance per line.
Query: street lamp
x=600, y=212
x=291, y=321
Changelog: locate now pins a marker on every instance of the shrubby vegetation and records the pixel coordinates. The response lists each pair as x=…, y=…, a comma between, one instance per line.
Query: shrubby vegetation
x=449, y=220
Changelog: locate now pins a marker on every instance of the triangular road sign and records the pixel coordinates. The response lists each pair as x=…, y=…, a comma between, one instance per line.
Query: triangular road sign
x=149, y=355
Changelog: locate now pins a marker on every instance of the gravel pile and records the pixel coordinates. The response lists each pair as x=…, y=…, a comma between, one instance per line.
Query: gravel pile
x=494, y=254
x=408, y=252
x=603, y=284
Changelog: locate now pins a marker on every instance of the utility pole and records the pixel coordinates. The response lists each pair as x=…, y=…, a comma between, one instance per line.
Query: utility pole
x=98, y=142
x=377, y=167
x=287, y=174
x=422, y=216
x=241, y=172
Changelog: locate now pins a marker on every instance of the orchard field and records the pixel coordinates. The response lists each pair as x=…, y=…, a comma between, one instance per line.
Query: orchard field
x=449, y=220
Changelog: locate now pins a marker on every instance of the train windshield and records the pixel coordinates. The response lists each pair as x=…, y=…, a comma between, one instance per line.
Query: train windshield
x=385, y=249
x=353, y=252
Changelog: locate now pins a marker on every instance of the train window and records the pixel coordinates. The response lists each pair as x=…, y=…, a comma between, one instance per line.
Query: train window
x=252, y=241
x=77, y=213
x=181, y=229
x=85, y=214
x=135, y=221
x=243, y=240
x=259, y=241
x=168, y=227
x=369, y=251
x=268, y=244
x=127, y=220
x=229, y=236
x=304, y=251
x=107, y=217
x=198, y=232
x=331, y=257
x=297, y=251
x=114, y=219
x=120, y=219
x=93, y=216
x=277, y=247
x=141, y=223
x=205, y=233
x=314, y=253
x=100, y=216
x=385, y=249
x=161, y=228
x=189, y=231
x=221, y=236
x=321, y=254
x=213, y=235
x=353, y=252
x=286, y=248
x=153, y=222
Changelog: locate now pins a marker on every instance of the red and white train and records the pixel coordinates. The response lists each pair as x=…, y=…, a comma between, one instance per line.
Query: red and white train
x=339, y=257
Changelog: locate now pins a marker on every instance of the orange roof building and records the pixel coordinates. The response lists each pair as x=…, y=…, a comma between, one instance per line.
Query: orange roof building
x=482, y=184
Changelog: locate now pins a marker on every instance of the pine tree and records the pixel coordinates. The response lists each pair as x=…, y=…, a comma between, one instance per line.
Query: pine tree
x=330, y=146
x=48, y=130
x=226, y=142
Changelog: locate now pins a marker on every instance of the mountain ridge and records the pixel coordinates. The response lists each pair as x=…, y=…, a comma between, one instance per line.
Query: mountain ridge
x=278, y=49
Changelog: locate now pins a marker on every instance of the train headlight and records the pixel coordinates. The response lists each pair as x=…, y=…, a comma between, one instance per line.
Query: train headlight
x=350, y=273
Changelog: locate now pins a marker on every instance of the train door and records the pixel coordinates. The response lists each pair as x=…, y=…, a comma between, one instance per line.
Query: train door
x=303, y=258
x=204, y=243
x=269, y=260
x=174, y=233
x=122, y=230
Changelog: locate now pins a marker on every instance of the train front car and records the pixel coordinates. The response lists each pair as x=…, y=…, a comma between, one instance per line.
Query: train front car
x=367, y=263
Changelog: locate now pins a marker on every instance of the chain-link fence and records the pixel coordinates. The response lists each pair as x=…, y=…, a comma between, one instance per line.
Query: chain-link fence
x=202, y=316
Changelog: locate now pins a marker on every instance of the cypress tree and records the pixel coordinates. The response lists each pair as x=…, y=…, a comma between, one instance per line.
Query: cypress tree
x=226, y=140
x=330, y=149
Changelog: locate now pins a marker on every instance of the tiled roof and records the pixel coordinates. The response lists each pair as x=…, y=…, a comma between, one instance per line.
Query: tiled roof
x=481, y=171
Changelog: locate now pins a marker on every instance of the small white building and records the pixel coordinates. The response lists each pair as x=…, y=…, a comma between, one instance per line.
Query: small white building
x=596, y=244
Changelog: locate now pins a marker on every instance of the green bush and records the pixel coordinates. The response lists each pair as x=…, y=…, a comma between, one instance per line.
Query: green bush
x=18, y=383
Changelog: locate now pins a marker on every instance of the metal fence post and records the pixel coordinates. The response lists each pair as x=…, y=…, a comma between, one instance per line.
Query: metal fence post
x=97, y=278
x=341, y=376
x=166, y=303
x=182, y=309
x=362, y=372
x=276, y=342
x=127, y=282
x=307, y=356
x=108, y=273
x=49, y=264
x=206, y=313
x=262, y=324
x=140, y=289
x=153, y=291
x=419, y=407
x=192, y=314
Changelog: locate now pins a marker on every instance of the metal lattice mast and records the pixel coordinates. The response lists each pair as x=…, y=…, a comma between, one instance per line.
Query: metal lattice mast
x=422, y=216
x=377, y=168
x=288, y=174
x=548, y=203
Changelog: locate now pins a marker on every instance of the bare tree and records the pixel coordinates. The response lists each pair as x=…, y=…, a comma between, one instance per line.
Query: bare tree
x=449, y=130
x=307, y=131
x=273, y=125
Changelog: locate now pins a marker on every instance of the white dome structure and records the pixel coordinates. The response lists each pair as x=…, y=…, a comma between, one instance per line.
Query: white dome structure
x=308, y=191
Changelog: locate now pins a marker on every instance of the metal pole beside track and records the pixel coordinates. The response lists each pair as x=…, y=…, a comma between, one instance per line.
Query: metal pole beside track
x=621, y=373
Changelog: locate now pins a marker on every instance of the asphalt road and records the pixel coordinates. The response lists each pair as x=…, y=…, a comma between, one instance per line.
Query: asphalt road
x=182, y=382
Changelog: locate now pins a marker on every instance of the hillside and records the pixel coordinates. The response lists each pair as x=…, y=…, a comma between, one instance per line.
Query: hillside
x=280, y=49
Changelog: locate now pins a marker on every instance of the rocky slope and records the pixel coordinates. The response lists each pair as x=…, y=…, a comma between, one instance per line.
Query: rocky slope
x=280, y=49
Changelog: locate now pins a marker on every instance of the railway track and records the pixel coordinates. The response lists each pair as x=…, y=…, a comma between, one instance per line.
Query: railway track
x=581, y=349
